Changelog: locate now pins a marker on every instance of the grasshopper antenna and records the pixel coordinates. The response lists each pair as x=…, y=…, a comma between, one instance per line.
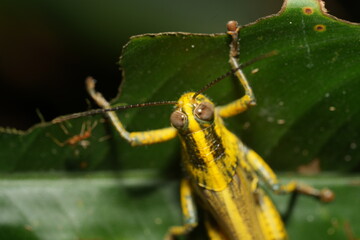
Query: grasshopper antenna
x=232, y=71
x=206, y=87
x=104, y=110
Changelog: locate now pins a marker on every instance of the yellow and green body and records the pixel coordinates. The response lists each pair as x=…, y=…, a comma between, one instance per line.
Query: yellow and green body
x=222, y=175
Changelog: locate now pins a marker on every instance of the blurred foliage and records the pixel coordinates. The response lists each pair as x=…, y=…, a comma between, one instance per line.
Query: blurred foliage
x=134, y=206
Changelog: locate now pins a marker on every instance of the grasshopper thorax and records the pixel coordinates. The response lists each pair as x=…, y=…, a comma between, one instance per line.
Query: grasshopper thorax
x=192, y=114
x=201, y=134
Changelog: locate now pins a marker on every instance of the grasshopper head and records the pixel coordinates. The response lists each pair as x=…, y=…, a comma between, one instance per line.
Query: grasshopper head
x=192, y=114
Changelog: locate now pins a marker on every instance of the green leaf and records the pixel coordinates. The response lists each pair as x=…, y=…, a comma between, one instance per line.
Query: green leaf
x=307, y=109
x=307, y=101
x=140, y=205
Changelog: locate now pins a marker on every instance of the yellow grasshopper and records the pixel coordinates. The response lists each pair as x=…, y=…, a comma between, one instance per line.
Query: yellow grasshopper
x=222, y=173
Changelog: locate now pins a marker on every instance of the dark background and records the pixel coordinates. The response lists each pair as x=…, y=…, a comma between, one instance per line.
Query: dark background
x=48, y=47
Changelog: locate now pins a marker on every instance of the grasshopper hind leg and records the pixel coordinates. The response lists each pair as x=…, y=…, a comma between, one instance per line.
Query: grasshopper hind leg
x=270, y=179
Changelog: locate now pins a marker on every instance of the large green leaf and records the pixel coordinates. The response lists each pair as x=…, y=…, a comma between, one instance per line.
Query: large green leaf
x=307, y=100
x=307, y=109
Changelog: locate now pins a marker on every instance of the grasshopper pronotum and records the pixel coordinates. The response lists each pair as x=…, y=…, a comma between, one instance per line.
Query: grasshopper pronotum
x=220, y=170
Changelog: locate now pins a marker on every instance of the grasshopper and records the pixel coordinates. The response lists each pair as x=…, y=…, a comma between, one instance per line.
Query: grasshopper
x=222, y=173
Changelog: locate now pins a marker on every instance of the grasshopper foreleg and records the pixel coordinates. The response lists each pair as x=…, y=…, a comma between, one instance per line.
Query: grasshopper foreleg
x=242, y=104
x=134, y=138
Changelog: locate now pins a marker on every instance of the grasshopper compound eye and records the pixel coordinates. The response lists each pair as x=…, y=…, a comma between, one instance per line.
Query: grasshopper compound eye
x=178, y=119
x=205, y=111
